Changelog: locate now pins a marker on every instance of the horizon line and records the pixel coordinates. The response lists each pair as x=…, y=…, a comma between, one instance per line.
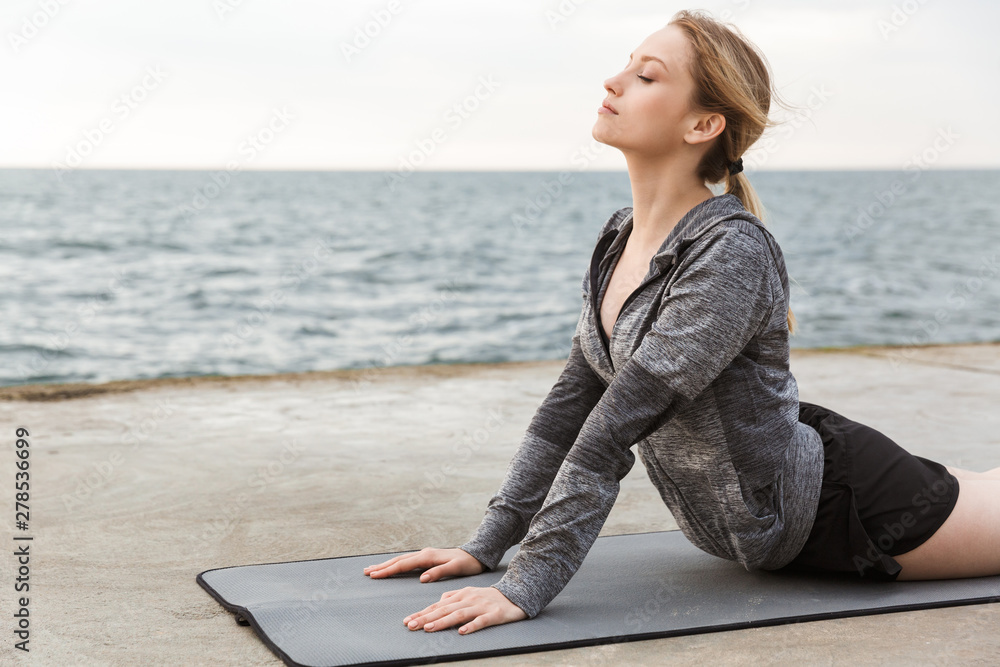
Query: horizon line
x=749, y=169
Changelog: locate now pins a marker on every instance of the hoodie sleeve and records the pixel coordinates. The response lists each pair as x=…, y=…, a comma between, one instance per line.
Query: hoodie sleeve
x=550, y=434
x=712, y=310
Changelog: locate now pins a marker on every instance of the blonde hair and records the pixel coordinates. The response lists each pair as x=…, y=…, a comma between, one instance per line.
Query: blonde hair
x=731, y=77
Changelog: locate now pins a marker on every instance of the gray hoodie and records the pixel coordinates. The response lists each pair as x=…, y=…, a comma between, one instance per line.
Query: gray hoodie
x=696, y=374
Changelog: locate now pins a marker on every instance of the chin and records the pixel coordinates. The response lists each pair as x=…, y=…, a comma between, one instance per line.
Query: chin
x=601, y=137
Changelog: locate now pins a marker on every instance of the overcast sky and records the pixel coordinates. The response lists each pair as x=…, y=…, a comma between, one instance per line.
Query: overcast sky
x=443, y=84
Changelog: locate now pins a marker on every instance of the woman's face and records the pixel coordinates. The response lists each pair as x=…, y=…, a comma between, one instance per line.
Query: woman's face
x=651, y=98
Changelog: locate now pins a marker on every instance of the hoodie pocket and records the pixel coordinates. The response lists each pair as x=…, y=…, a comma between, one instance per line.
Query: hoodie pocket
x=703, y=528
x=761, y=502
x=759, y=499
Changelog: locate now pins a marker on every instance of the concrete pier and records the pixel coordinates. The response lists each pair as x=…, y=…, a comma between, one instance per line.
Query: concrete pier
x=137, y=486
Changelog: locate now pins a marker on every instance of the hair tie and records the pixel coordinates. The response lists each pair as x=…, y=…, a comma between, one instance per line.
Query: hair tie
x=736, y=167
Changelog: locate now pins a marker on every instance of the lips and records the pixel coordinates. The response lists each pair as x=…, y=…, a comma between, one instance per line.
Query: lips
x=608, y=106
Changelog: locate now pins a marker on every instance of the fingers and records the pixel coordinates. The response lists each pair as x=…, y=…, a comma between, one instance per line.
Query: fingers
x=475, y=624
x=450, y=615
x=435, y=573
x=428, y=613
x=463, y=606
x=456, y=617
x=401, y=563
x=447, y=564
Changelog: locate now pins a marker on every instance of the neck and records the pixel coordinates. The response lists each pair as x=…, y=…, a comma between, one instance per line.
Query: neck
x=663, y=191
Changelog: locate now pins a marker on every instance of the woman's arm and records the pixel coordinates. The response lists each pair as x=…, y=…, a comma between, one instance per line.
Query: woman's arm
x=710, y=314
x=552, y=432
x=529, y=475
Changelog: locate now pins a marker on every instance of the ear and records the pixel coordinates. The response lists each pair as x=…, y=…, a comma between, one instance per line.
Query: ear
x=707, y=127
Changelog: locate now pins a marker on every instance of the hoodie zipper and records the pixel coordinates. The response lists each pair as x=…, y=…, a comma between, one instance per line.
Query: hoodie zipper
x=600, y=250
x=625, y=304
x=594, y=288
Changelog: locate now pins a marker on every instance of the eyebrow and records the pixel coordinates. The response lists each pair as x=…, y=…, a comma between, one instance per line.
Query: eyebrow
x=645, y=58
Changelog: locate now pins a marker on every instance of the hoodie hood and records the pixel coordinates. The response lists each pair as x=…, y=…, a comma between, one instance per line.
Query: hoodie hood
x=695, y=222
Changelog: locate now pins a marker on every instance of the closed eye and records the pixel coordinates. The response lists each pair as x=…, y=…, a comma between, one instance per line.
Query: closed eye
x=645, y=79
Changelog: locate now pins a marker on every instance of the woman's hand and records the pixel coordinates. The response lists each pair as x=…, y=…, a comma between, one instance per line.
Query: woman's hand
x=442, y=563
x=481, y=607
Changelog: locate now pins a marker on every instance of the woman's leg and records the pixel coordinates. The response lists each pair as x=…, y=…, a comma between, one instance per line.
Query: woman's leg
x=968, y=543
x=961, y=473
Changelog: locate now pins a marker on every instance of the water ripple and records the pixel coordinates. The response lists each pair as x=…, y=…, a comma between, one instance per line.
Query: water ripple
x=113, y=274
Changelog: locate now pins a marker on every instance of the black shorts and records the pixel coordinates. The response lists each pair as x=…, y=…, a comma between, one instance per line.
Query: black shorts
x=877, y=499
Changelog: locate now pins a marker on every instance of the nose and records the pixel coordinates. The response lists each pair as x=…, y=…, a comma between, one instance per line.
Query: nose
x=612, y=86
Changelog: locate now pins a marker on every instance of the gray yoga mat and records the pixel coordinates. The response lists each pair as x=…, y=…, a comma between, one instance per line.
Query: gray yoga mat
x=326, y=612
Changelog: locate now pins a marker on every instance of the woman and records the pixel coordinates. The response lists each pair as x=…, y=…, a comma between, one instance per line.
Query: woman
x=682, y=349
